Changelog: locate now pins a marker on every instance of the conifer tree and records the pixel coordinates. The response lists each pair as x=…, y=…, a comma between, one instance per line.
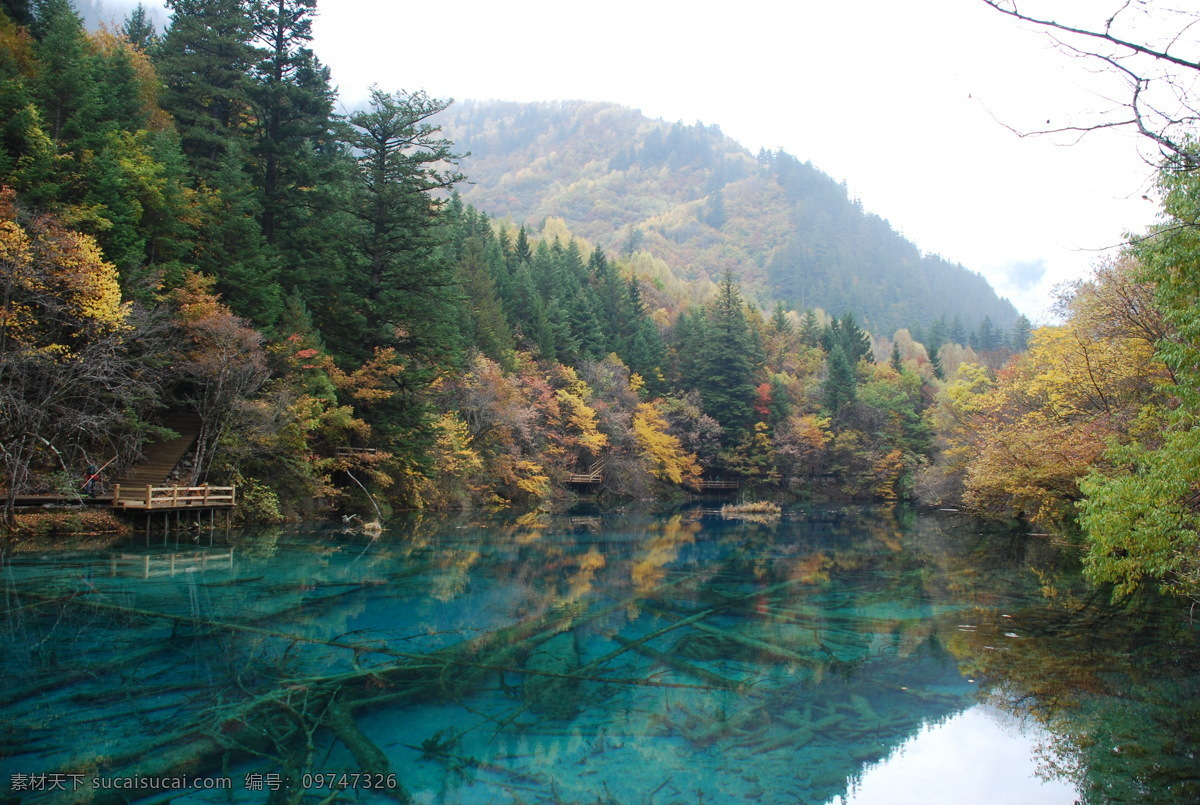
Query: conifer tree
x=1019, y=338
x=139, y=29
x=729, y=361
x=203, y=60
x=402, y=289
x=19, y=11
x=841, y=382
x=65, y=87
x=293, y=103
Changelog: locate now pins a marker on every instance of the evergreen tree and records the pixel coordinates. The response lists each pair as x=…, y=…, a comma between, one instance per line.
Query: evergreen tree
x=990, y=338
x=939, y=333
x=139, y=29
x=203, y=61
x=1019, y=339
x=729, y=359
x=293, y=103
x=935, y=360
x=488, y=329
x=810, y=329
x=896, y=361
x=779, y=320
x=957, y=334
x=841, y=382
x=690, y=336
x=845, y=333
x=19, y=11
x=65, y=86
x=403, y=289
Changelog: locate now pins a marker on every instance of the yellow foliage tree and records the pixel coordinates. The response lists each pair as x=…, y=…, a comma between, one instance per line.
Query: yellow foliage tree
x=668, y=460
x=66, y=376
x=1053, y=413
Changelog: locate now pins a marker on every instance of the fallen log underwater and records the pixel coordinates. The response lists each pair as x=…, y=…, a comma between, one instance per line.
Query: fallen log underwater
x=262, y=725
x=280, y=724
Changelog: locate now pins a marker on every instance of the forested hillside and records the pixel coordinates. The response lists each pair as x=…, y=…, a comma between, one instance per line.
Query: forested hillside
x=703, y=204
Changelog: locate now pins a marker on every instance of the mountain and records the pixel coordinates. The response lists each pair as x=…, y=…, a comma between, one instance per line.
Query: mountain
x=701, y=202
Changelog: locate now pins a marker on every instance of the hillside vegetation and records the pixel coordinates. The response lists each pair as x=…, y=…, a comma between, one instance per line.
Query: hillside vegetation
x=702, y=204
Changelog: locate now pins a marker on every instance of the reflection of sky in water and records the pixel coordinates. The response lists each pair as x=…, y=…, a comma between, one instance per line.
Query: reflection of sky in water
x=971, y=758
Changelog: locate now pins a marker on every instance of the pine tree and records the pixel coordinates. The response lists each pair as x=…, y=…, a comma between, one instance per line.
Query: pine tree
x=65, y=86
x=1019, y=339
x=19, y=11
x=957, y=334
x=203, y=60
x=293, y=102
x=779, y=320
x=139, y=29
x=403, y=288
x=935, y=360
x=729, y=359
x=810, y=329
x=841, y=382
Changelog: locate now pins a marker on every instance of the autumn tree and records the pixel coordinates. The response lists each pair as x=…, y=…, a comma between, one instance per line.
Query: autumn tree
x=1081, y=387
x=220, y=361
x=68, y=379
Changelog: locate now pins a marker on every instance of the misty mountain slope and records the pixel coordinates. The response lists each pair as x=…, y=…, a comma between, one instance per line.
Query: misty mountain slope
x=702, y=203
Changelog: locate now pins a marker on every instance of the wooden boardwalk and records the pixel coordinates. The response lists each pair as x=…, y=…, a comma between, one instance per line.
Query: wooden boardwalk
x=594, y=475
x=714, y=486
x=174, y=498
x=160, y=458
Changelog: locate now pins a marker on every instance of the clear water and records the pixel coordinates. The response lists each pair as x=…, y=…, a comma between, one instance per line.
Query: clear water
x=857, y=655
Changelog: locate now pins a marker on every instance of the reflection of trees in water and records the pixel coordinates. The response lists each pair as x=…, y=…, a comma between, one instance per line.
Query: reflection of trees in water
x=1117, y=690
x=822, y=644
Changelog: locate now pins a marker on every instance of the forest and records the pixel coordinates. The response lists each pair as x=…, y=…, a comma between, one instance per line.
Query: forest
x=687, y=202
x=186, y=224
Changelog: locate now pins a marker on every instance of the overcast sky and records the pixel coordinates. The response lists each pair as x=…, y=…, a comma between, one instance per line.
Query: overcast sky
x=906, y=102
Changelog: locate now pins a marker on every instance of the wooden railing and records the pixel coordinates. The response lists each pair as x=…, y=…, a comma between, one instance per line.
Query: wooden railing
x=594, y=475
x=174, y=497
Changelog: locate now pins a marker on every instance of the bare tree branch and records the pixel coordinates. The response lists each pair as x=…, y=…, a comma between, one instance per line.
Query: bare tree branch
x=1170, y=124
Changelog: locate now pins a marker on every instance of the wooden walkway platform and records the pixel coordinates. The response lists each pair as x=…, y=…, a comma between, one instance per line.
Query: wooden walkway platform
x=594, y=475
x=174, y=498
x=159, y=459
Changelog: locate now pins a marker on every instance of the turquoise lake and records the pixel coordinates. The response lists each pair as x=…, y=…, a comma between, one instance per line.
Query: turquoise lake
x=831, y=655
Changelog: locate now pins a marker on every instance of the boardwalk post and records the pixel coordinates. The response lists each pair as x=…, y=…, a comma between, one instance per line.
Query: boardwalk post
x=116, y=494
x=149, y=497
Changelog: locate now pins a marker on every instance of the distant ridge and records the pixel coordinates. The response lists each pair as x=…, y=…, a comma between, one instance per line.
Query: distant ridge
x=698, y=200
